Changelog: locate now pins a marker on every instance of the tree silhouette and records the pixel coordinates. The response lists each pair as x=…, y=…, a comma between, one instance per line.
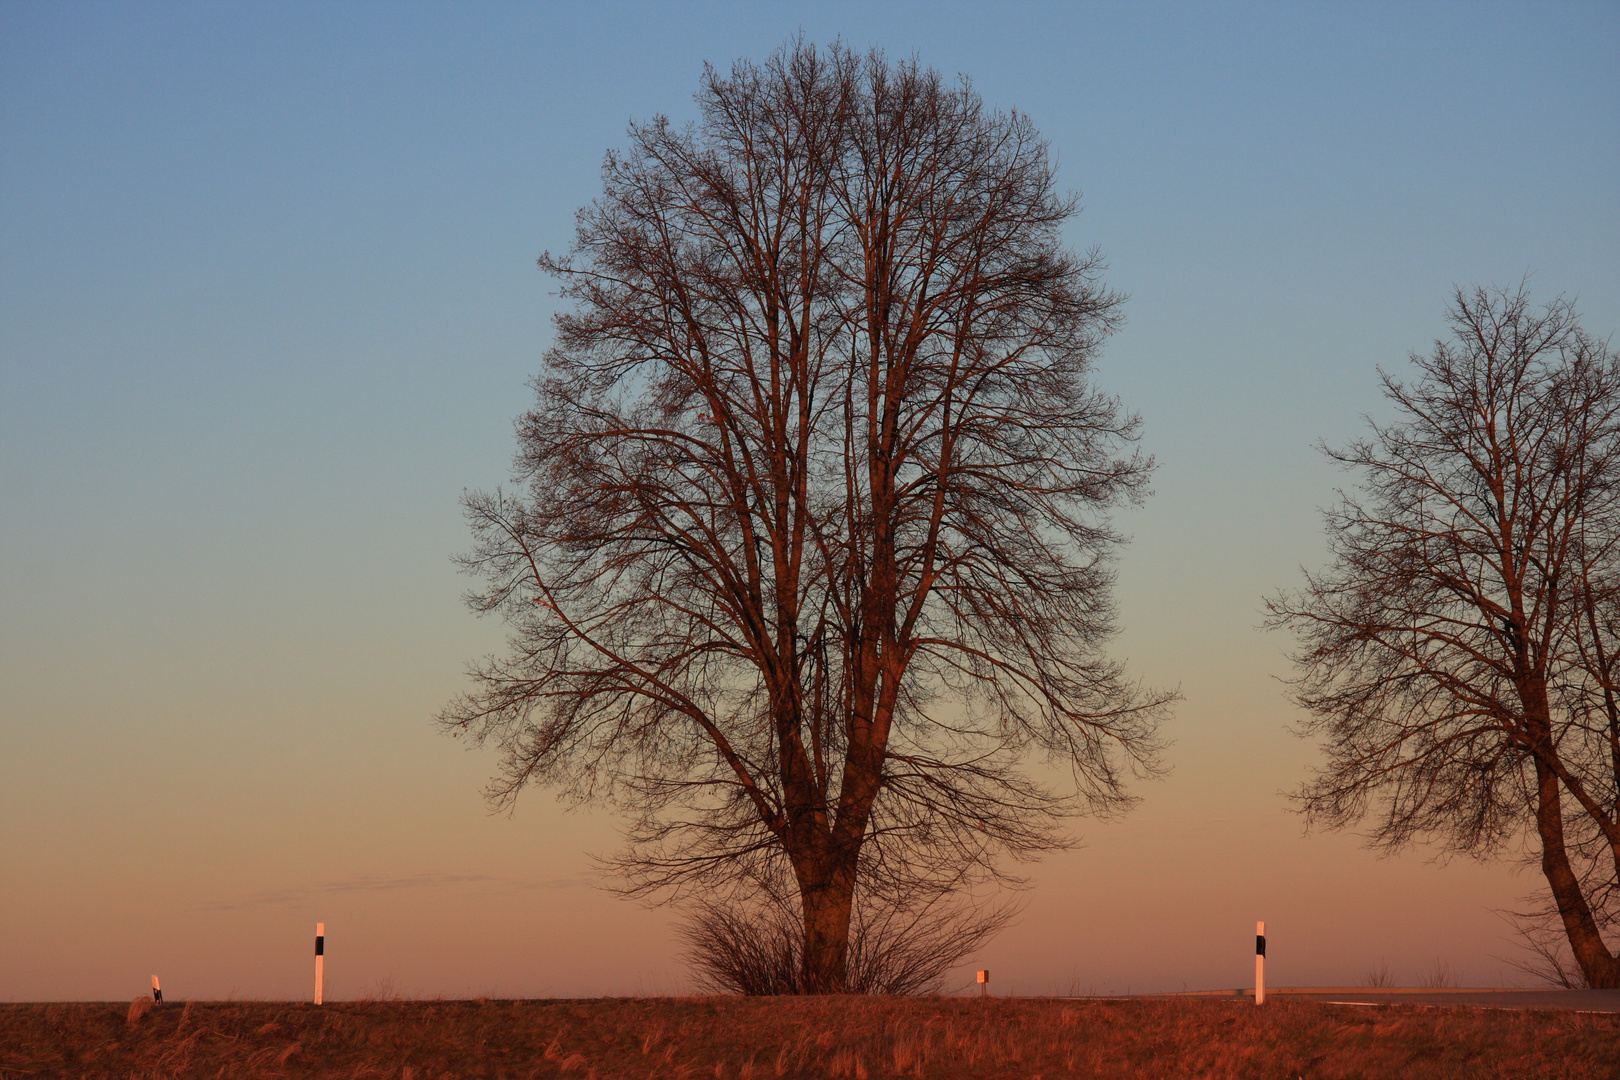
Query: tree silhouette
x=1458, y=657
x=812, y=547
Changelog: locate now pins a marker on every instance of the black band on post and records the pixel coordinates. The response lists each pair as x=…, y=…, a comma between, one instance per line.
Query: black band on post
x=157, y=995
x=320, y=945
x=1259, y=945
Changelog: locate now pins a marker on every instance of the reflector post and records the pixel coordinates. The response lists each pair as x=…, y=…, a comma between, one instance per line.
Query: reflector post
x=1259, y=963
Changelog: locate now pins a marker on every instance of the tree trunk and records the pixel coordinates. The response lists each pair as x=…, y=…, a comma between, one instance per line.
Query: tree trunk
x=1601, y=968
x=827, y=897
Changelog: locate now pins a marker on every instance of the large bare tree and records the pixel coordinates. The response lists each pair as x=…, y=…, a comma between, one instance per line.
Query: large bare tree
x=811, y=551
x=1458, y=657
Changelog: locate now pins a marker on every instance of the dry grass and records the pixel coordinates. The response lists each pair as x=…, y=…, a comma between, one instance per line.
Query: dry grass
x=762, y=1039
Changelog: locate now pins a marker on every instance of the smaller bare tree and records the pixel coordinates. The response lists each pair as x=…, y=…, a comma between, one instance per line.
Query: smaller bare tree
x=1458, y=658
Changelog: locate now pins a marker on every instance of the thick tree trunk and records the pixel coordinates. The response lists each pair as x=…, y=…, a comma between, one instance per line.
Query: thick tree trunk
x=1601, y=968
x=827, y=897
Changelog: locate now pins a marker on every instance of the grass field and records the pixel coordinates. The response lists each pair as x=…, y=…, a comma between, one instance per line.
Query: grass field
x=758, y=1038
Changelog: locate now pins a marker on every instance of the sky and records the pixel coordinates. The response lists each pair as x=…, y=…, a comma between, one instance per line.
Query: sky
x=268, y=305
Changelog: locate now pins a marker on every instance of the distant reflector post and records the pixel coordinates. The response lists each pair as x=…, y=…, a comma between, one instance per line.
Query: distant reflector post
x=157, y=989
x=1259, y=963
x=984, y=984
x=320, y=959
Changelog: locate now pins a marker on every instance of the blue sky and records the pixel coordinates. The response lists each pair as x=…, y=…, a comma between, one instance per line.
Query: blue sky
x=268, y=304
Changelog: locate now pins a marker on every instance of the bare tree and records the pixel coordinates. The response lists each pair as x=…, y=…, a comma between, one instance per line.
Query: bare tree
x=1457, y=657
x=812, y=549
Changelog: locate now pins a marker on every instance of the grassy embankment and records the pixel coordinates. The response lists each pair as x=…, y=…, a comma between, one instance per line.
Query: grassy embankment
x=755, y=1039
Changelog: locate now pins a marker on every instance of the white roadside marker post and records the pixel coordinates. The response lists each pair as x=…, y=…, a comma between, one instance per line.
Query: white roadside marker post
x=320, y=959
x=1259, y=963
x=157, y=989
x=984, y=984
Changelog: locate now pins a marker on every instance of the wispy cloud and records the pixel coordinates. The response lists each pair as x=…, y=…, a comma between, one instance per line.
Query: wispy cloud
x=378, y=883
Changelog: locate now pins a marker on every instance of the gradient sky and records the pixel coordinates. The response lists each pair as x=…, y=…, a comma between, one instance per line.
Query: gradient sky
x=268, y=303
